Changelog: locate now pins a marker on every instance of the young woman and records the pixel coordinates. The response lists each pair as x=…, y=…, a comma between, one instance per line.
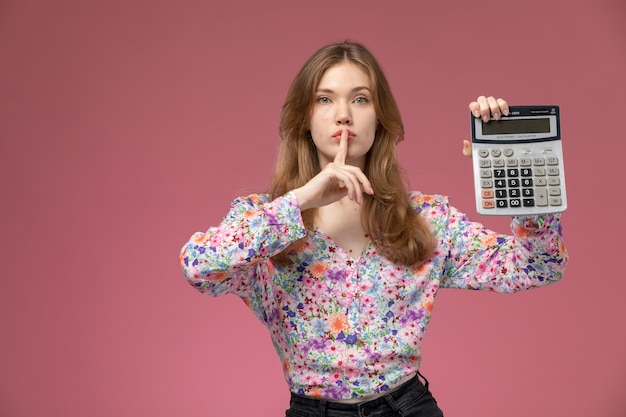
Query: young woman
x=341, y=262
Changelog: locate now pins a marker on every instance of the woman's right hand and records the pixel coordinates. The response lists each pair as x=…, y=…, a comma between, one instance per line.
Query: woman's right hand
x=334, y=182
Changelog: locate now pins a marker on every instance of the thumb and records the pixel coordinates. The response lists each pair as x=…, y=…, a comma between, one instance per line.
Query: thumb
x=467, y=148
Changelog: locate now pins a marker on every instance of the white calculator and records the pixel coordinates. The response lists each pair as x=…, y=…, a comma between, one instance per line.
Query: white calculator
x=518, y=162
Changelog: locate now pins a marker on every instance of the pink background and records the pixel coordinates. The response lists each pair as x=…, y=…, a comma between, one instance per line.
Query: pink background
x=127, y=125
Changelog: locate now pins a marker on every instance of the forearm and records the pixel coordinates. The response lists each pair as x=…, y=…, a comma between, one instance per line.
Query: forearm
x=252, y=231
x=534, y=255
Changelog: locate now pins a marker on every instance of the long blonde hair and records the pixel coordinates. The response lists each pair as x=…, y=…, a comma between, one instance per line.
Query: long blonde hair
x=398, y=232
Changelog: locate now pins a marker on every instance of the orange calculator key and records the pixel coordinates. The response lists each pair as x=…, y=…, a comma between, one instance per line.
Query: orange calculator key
x=489, y=204
x=487, y=194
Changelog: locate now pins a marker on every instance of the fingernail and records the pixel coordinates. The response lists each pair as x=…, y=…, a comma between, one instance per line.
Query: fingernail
x=476, y=113
x=496, y=116
x=486, y=118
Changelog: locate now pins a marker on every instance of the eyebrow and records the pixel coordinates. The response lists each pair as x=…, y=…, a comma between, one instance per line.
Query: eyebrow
x=354, y=90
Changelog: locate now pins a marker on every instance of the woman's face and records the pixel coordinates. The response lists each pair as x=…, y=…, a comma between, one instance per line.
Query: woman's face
x=343, y=101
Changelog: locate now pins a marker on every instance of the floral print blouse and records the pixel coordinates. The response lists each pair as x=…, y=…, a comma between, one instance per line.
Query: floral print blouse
x=350, y=327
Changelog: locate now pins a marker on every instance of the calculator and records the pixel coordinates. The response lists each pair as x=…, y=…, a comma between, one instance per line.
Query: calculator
x=518, y=162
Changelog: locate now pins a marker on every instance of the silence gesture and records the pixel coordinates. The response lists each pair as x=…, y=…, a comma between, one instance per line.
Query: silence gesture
x=335, y=181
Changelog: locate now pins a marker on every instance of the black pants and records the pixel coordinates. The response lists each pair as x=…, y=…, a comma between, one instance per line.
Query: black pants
x=412, y=399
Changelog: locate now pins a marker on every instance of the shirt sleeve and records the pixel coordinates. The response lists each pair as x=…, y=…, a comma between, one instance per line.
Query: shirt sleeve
x=224, y=259
x=481, y=259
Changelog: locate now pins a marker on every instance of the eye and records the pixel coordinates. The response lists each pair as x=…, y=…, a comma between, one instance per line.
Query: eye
x=323, y=100
x=361, y=100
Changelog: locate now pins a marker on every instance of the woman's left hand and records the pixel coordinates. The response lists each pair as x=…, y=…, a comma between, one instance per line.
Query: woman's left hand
x=486, y=108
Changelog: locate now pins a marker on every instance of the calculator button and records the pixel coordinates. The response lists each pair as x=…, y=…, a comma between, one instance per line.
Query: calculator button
x=484, y=163
x=529, y=202
x=489, y=204
x=554, y=191
x=527, y=182
x=501, y=203
x=500, y=183
x=499, y=173
x=513, y=183
x=485, y=173
x=508, y=152
x=541, y=182
x=498, y=163
x=486, y=183
x=526, y=172
x=483, y=153
x=511, y=162
x=528, y=192
x=515, y=202
x=553, y=160
x=501, y=194
x=539, y=172
x=553, y=171
x=487, y=193
x=525, y=162
x=514, y=193
x=555, y=201
x=541, y=198
x=512, y=173
x=553, y=181
x=495, y=153
x=539, y=161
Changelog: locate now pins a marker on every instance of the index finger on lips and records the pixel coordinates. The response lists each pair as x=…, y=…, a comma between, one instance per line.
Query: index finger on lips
x=342, y=152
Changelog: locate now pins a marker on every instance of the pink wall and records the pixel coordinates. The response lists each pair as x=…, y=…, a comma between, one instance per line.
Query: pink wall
x=126, y=125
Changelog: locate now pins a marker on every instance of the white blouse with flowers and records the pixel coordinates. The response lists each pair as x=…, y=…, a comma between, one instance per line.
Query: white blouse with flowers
x=346, y=327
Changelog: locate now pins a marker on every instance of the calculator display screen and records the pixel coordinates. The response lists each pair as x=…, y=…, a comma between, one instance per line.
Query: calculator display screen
x=515, y=126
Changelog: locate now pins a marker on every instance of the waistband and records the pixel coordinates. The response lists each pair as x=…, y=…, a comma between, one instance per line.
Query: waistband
x=385, y=400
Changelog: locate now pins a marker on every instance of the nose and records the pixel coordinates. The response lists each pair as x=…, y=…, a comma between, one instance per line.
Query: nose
x=343, y=116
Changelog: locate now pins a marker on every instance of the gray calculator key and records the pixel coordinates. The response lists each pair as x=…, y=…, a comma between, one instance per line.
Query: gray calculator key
x=525, y=162
x=541, y=197
x=484, y=163
x=553, y=160
x=508, y=152
x=486, y=183
x=485, y=173
x=553, y=171
x=554, y=192
x=483, y=153
x=539, y=172
x=539, y=161
x=495, y=153
x=498, y=163
x=553, y=181
x=511, y=162
x=541, y=182
x=555, y=201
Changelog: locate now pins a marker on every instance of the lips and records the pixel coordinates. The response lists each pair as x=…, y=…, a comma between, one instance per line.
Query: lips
x=337, y=135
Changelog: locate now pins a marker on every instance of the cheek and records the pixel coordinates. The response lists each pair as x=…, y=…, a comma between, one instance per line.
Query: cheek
x=373, y=126
x=318, y=121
